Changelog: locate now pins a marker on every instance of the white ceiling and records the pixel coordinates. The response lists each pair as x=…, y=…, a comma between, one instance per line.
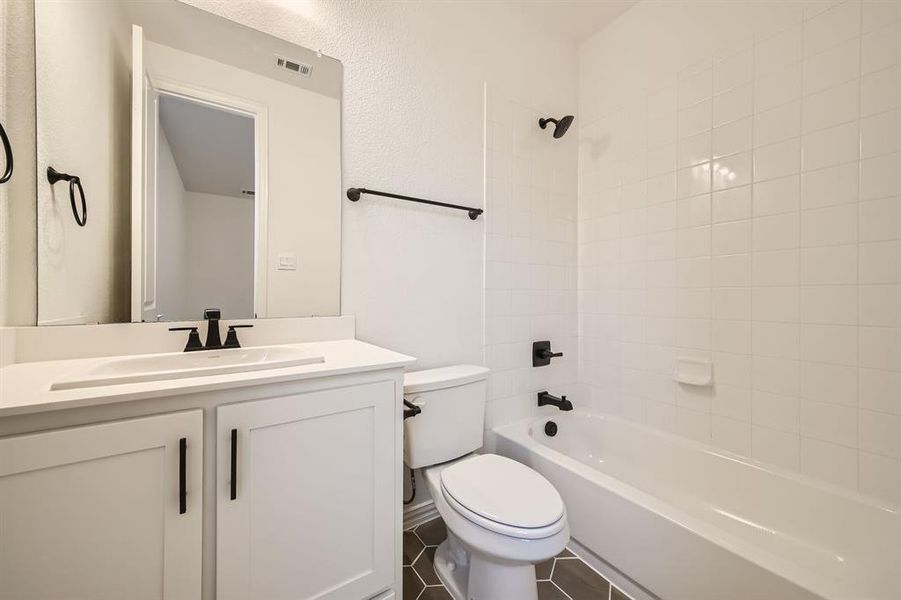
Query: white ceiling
x=575, y=19
x=213, y=149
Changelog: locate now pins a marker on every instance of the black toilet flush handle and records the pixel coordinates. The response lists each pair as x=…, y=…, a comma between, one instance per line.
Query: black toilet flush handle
x=412, y=410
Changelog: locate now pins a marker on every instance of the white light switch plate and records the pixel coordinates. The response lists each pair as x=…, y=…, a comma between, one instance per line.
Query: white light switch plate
x=287, y=262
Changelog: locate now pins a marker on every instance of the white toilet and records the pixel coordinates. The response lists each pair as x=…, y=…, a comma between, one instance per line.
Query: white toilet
x=502, y=517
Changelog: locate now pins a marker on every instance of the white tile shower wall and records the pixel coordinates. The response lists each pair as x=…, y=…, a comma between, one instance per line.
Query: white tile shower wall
x=740, y=201
x=530, y=275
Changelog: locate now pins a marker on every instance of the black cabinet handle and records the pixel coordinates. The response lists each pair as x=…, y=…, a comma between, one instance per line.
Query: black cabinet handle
x=8, y=150
x=182, y=476
x=234, y=465
x=74, y=184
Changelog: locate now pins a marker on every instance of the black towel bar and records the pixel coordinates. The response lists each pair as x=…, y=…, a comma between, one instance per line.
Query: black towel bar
x=353, y=194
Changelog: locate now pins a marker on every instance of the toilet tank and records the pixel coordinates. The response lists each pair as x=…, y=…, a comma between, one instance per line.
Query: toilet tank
x=452, y=420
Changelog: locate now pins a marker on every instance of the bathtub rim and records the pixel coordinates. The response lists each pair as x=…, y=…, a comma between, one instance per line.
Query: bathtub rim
x=807, y=579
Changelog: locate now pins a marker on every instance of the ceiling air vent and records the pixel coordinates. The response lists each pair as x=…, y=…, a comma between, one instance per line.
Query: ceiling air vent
x=294, y=66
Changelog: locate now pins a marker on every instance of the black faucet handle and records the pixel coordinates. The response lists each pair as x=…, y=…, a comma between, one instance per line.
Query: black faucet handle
x=542, y=353
x=231, y=338
x=212, y=313
x=194, y=342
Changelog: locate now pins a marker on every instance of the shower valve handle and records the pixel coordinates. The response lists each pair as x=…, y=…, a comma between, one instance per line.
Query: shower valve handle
x=542, y=353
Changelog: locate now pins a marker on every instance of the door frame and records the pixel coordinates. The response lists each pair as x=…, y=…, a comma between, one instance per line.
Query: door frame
x=165, y=86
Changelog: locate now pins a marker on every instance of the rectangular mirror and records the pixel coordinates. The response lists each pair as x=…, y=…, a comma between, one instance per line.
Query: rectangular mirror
x=208, y=166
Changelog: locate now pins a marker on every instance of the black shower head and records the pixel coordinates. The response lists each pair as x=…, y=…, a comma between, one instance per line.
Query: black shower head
x=560, y=126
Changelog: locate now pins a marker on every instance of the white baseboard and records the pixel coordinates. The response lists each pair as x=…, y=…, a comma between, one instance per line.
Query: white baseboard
x=418, y=514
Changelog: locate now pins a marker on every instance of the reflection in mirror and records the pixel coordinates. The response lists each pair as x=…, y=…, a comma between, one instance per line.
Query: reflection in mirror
x=204, y=174
x=210, y=156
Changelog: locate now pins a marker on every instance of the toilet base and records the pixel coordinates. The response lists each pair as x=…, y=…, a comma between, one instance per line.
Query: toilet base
x=453, y=572
x=470, y=577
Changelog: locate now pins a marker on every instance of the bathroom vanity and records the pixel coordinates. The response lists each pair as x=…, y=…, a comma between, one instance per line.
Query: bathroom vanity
x=199, y=167
x=270, y=483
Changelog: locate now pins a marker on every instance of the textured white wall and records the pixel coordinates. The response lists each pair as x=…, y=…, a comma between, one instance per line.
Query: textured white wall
x=18, y=275
x=219, y=252
x=83, y=128
x=414, y=124
x=172, y=236
x=741, y=203
x=414, y=75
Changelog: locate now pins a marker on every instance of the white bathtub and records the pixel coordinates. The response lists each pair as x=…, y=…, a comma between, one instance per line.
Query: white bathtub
x=688, y=522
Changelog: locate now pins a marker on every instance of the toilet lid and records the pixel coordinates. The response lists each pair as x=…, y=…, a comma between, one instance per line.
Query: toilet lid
x=503, y=491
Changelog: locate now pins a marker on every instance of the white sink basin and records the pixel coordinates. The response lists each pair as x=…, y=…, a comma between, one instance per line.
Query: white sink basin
x=157, y=367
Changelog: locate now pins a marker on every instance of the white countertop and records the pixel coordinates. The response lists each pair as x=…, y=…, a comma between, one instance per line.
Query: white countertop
x=25, y=387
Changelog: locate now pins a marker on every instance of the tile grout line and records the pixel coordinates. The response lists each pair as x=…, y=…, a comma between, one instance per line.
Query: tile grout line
x=553, y=568
x=860, y=203
x=800, y=273
x=417, y=557
x=710, y=287
x=562, y=591
x=573, y=557
x=601, y=575
x=755, y=42
x=424, y=586
x=416, y=535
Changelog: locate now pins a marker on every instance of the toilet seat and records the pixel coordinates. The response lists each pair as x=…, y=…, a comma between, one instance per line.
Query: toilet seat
x=503, y=496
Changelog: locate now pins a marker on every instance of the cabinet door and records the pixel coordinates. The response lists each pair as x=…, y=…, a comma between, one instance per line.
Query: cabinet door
x=94, y=512
x=311, y=511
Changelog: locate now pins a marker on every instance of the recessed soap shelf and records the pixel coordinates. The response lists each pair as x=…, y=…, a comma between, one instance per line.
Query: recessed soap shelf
x=693, y=371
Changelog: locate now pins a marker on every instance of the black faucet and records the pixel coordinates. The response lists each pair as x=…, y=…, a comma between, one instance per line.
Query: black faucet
x=213, y=340
x=544, y=399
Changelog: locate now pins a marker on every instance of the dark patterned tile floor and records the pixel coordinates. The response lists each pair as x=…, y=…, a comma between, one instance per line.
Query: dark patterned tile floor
x=564, y=577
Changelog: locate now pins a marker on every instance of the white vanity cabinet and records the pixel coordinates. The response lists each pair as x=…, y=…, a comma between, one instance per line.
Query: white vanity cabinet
x=293, y=481
x=306, y=494
x=106, y=511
